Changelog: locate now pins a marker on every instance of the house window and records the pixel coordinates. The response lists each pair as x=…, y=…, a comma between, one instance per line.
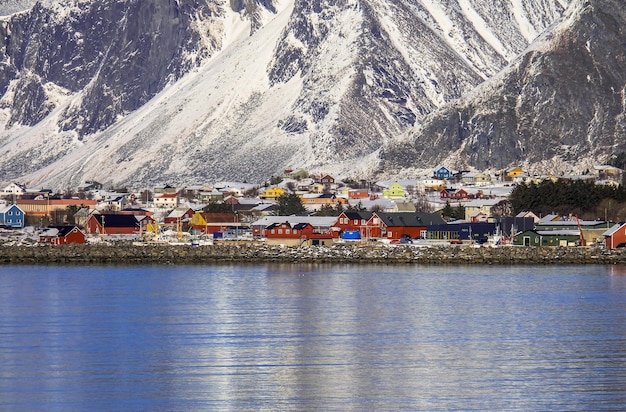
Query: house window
x=280, y=231
x=295, y=231
x=287, y=231
x=376, y=221
x=356, y=221
x=388, y=234
x=273, y=231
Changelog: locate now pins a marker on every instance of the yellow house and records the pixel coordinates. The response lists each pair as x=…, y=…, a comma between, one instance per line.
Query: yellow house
x=272, y=193
x=197, y=220
x=475, y=177
x=316, y=188
x=514, y=172
x=395, y=191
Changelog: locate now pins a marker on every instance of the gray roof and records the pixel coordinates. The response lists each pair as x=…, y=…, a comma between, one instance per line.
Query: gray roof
x=411, y=219
x=317, y=221
x=611, y=231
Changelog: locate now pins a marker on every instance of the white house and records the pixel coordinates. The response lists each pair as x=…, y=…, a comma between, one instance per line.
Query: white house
x=13, y=189
x=166, y=201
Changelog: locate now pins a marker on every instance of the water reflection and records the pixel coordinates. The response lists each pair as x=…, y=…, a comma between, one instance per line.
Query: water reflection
x=312, y=337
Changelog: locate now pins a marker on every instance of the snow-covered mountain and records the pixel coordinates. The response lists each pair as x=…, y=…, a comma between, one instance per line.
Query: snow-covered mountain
x=8, y=7
x=560, y=106
x=139, y=92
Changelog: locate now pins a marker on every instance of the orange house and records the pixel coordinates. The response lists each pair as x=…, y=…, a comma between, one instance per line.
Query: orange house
x=323, y=199
x=358, y=194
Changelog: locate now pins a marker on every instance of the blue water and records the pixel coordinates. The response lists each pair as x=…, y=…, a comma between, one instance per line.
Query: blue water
x=312, y=337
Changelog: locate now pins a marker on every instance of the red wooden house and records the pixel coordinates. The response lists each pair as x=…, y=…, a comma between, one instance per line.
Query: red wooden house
x=353, y=222
x=178, y=215
x=327, y=180
x=136, y=212
x=454, y=194
x=296, y=235
x=358, y=194
x=395, y=226
x=209, y=223
x=615, y=237
x=115, y=224
x=62, y=235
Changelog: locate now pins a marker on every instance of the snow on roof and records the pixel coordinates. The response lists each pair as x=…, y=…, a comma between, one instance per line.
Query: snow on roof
x=611, y=231
x=558, y=232
x=317, y=221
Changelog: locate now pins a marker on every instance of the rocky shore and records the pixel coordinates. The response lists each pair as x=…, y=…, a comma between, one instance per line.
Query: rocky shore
x=128, y=253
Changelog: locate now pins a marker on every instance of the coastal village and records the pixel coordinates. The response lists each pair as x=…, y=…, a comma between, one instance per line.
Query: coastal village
x=397, y=212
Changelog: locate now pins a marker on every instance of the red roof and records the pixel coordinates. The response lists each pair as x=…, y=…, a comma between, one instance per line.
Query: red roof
x=167, y=196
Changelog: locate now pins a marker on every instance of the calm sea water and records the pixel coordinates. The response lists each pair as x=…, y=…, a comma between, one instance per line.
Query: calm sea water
x=312, y=337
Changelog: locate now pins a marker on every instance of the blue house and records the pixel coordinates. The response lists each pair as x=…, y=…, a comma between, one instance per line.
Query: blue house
x=442, y=172
x=12, y=216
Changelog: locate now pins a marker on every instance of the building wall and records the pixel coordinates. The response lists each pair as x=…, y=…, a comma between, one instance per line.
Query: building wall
x=619, y=237
x=44, y=207
x=14, y=217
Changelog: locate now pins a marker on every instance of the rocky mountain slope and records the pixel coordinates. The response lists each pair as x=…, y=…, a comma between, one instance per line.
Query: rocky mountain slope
x=141, y=92
x=8, y=7
x=560, y=104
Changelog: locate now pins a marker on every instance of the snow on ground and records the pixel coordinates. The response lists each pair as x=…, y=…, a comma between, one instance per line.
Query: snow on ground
x=483, y=29
x=526, y=28
x=227, y=103
x=201, y=100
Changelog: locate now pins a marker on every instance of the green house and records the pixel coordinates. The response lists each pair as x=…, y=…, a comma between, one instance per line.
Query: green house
x=547, y=238
x=395, y=191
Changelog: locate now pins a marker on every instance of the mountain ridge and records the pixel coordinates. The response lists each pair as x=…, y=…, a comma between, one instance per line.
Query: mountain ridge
x=564, y=95
x=251, y=88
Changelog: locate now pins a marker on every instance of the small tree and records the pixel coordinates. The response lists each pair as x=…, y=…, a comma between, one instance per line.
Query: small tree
x=57, y=217
x=338, y=209
x=70, y=211
x=326, y=210
x=301, y=174
x=447, y=211
x=453, y=212
x=502, y=208
x=274, y=180
x=356, y=208
x=215, y=207
x=422, y=204
x=146, y=196
x=289, y=204
x=253, y=192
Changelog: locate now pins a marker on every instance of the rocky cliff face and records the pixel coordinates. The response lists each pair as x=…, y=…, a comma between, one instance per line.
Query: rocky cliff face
x=560, y=104
x=113, y=56
x=136, y=92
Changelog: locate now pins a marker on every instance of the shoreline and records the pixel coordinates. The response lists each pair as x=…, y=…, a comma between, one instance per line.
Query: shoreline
x=241, y=253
